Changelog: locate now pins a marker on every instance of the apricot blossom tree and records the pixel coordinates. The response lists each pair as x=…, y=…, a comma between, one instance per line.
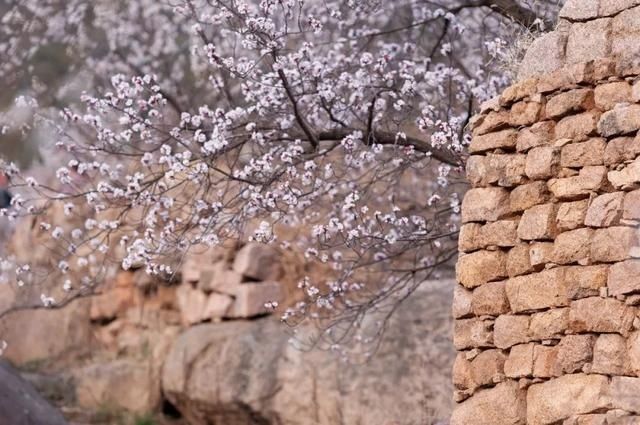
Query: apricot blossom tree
x=208, y=120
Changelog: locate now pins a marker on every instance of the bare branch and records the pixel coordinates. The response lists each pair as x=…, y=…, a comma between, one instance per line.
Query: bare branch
x=515, y=11
x=384, y=138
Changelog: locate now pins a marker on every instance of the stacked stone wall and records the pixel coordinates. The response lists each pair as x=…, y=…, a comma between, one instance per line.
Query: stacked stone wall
x=547, y=305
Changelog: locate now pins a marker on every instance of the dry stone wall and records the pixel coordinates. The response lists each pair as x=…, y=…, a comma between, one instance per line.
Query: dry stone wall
x=214, y=288
x=548, y=298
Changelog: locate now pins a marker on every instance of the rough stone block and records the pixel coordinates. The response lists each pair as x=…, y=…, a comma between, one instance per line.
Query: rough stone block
x=612, y=7
x=572, y=101
x=609, y=95
x=619, y=417
x=588, y=41
x=631, y=206
x=574, y=351
x=590, y=179
x=627, y=178
x=251, y=299
x=509, y=330
x=219, y=278
x=549, y=324
x=492, y=104
x=542, y=162
x=504, y=170
x=603, y=69
x=190, y=271
x=468, y=237
x=538, y=223
x=572, y=246
x=487, y=368
x=217, y=306
x=557, y=399
x=627, y=50
x=501, y=233
x=537, y=291
x=624, y=278
x=112, y=303
x=526, y=196
x=197, y=257
x=571, y=215
x=560, y=79
x=519, y=364
x=585, y=281
x=574, y=75
x=613, y=244
x=545, y=55
x=633, y=352
x=621, y=149
x=545, y=361
x=474, y=236
x=540, y=254
x=504, y=139
x=485, y=204
x=480, y=267
x=635, y=92
x=192, y=303
x=580, y=10
x=205, y=274
x=504, y=404
x=539, y=134
x=492, y=121
x=623, y=119
x=577, y=155
x=612, y=316
x=610, y=355
x=627, y=22
x=490, y=299
x=519, y=90
x=577, y=127
x=624, y=393
x=518, y=260
x=461, y=373
x=625, y=45
x=525, y=113
x=462, y=299
x=477, y=170
x=472, y=333
x=605, y=210
x=257, y=261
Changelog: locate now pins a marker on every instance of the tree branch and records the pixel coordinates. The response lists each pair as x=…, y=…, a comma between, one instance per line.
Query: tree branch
x=296, y=111
x=385, y=138
x=513, y=10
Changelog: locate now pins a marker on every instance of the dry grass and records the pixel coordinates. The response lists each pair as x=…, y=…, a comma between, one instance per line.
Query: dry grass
x=513, y=54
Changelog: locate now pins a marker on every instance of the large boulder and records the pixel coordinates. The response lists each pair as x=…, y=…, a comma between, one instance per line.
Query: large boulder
x=47, y=334
x=132, y=382
x=125, y=384
x=20, y=404
x=240, y=373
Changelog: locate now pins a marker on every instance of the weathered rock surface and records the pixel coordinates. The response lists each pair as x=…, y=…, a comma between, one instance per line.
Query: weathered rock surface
x=257, y=261
x=47, y=334
x=247, y=372
x=560, y=398
x=20, y=403
x=504, y=404
x=125, y=384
